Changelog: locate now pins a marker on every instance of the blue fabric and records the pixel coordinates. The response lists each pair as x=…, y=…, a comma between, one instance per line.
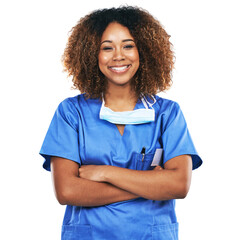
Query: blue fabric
x=77, y=133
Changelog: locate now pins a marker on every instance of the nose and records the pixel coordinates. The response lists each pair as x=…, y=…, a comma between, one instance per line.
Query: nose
x=118, y=55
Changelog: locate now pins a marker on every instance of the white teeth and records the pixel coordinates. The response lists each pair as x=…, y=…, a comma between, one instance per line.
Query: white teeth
x=119, y=68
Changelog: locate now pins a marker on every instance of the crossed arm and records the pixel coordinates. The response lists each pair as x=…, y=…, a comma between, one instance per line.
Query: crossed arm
x=96, y=185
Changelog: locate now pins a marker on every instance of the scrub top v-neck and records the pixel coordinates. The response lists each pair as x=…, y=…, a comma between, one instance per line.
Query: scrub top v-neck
x=77, y=133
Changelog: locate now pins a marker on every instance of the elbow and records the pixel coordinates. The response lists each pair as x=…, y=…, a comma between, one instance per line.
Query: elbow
x=181, y=194
x=63, y=196
x=176, y=191
x=182, y=191
x=62, y=201
x=183, y=186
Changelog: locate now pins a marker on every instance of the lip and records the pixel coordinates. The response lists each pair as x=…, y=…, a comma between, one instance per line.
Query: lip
x=120, y=68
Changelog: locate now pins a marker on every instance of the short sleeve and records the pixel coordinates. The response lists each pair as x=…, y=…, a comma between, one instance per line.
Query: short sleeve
x=176, y=138
x=62, y=138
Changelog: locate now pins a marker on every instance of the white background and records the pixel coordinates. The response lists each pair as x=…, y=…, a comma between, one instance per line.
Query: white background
x=205, y=35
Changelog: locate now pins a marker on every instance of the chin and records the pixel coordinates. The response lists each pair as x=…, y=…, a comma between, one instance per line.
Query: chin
x=119, y=82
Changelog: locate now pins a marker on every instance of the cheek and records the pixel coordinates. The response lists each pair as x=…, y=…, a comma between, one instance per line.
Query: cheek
x=102, y=59
x=102, y=62
x=134, y=56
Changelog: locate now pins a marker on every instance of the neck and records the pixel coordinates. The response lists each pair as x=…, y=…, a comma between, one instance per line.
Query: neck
x=120, y=97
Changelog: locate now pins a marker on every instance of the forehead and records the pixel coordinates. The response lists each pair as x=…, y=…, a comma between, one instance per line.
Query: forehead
x=116, y=32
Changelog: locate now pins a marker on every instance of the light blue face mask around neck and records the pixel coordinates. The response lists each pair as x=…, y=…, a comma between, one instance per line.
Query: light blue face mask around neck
x=138, y=116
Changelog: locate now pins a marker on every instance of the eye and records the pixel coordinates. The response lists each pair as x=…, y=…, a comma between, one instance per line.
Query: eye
x=107, y=48
x=129, y=46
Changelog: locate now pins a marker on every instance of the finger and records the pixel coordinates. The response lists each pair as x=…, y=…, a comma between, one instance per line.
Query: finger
x=158, y=168
x=80, y=171
x=82, y=168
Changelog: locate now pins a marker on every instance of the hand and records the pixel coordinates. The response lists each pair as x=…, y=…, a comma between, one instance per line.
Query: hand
x=93, y=172
x=158, y=168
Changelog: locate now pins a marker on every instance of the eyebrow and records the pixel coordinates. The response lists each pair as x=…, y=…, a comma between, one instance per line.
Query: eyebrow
x=125, y=40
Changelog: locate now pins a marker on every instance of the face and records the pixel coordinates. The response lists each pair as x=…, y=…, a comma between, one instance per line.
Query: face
x=118, y=57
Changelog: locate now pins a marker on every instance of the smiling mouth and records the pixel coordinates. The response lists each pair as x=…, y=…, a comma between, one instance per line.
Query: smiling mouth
x=119, y=69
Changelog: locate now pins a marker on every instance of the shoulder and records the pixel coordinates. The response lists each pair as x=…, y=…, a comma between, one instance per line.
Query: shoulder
x=68, y=110
x=79, y=101
x=166, y=105
x=167, y=111
x=80, y=106
x=73, y=103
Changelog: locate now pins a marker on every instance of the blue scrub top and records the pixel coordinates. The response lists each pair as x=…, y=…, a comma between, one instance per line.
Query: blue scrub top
x=77, y=133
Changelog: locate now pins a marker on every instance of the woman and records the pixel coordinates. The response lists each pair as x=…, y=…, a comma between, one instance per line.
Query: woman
x=119, y=154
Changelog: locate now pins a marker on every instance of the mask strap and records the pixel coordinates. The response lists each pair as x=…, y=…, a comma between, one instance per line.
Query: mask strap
x=103, y=100
x=154, y=101
x=145, y=101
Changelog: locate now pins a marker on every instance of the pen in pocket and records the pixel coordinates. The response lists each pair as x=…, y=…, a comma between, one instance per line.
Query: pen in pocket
x=143, y=153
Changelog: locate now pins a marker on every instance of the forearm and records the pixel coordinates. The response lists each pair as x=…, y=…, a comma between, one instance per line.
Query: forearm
x=170, y=183
x=153, y=185
x=83, y=192
x=70, y=189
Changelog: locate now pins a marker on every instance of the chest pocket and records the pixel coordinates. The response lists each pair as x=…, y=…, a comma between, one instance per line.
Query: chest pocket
x=143, y=161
